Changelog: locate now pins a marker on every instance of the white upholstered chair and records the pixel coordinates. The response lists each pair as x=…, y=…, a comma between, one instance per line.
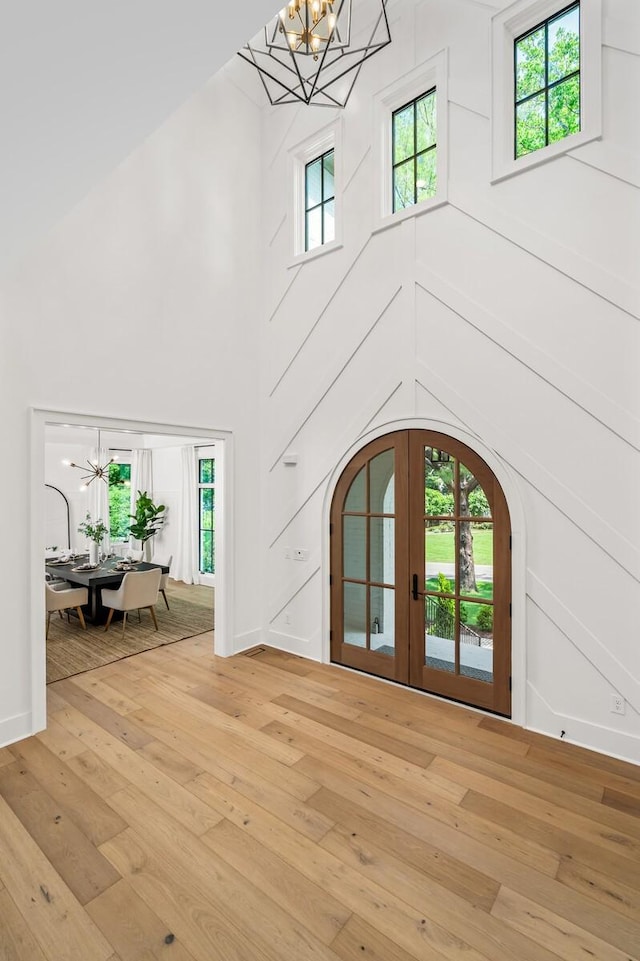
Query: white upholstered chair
x=139, y=589
x=61, y=596
x=165, y=560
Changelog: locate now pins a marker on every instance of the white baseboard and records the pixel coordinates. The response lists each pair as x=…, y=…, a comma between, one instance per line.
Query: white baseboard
x=244, y=642
x=16, y=728
x=595, y=737
x=292, y=644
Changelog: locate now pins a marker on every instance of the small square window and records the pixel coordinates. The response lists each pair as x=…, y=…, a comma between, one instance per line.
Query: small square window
x=315, y=201
x=410, y=143
x=547, y=82
x=319, y=201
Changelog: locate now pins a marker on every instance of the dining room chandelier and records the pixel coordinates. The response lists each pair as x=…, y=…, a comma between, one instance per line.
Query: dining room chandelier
x=93, y=470
x=309, y=52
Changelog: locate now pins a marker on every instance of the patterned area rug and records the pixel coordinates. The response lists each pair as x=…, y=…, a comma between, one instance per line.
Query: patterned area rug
x=70, y=650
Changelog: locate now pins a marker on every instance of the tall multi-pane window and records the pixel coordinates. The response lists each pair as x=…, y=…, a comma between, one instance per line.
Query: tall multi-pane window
x=119, y=501
x=547, y=81
x=319, y=201
x=206, y=514
x=414, y=151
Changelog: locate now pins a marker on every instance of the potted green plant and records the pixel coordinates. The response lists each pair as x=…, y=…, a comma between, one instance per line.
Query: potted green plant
x=147, y=520
x=95, y=534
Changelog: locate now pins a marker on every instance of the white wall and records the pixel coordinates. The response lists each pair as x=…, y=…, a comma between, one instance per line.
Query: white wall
x=507, y=313
x=134, y=309
x=68, y=480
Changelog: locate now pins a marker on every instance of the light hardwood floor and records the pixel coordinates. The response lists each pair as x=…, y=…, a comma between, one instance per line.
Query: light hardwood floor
x=266, y=808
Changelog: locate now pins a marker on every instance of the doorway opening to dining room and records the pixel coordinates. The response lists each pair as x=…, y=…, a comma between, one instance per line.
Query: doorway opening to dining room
x=117, y=461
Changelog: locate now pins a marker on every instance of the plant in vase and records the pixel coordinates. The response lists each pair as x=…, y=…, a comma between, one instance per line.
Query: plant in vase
x=147, y=521
x=95, y=533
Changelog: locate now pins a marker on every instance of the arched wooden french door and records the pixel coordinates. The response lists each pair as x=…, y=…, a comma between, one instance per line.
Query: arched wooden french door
x=421, y=569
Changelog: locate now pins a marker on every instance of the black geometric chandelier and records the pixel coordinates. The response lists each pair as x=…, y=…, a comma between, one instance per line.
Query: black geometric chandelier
x=306, y=54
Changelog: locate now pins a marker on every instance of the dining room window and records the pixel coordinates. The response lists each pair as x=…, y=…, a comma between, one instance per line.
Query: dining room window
x=119, y=501
x=206, y=514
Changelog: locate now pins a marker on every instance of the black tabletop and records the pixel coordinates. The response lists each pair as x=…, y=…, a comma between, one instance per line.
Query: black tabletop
x=104, y=575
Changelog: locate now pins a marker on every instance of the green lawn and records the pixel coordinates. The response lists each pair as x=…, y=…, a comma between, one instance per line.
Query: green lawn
x=440, y=547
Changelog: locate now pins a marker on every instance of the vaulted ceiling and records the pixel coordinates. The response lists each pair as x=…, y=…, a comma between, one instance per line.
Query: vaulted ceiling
x=82, y=84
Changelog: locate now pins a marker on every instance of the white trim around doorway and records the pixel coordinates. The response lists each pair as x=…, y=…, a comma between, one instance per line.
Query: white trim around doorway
x=39, y=419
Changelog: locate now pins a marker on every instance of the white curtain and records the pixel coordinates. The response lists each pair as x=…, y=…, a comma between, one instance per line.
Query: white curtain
x=141, y=475
x=185, y=561
x=141, y=480
x=99, y=495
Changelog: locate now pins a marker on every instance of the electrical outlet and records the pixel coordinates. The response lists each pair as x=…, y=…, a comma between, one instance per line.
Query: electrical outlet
x=300, y=554
x=287, y=617
x=617, y=704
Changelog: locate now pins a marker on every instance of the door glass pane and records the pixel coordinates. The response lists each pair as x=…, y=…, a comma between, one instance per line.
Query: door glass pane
x=356, y=499
x=355, y=614
x=473, y=500
x=476, y=647
x=381, y=492
x=382, y=602
x=354, y=547
x=475, y=557
x=440, y=567
x=382, y=550
x=439, y=479
x=439, y=623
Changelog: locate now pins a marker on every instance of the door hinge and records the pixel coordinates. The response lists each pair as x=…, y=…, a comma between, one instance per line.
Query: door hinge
x=509, y=610
x=330, y=635
x=330, y=579
x=509, y=683
x=510, y=541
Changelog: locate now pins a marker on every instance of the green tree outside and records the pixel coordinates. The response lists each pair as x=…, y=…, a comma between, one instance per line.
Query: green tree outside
x=548, y=100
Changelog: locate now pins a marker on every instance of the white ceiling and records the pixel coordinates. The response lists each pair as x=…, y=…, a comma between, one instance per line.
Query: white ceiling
x=82, y=84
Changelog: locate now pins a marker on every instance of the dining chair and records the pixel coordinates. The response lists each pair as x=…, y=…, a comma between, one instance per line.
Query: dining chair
x=165, y=560
x=61, y=596
x=139, y=590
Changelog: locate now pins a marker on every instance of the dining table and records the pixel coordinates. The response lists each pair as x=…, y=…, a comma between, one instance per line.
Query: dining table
x=109, y=573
